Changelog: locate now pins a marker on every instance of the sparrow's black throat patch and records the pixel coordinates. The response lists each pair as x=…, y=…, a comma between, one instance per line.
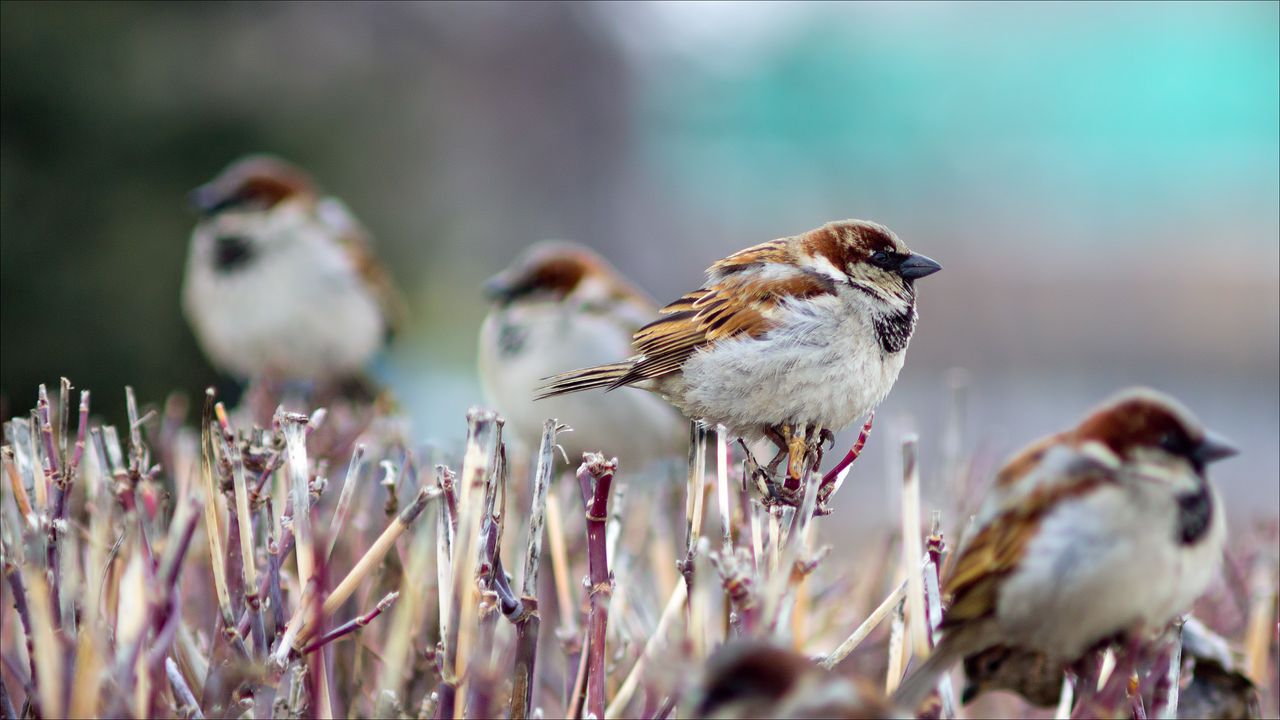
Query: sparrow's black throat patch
x=511, y=339
x=1195, y=513
x=231, y=252
x=893, y=331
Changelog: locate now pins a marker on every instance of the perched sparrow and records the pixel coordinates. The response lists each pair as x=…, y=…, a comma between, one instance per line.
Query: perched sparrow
x=561, y=305
x=748, y=679
x=1109, y=528
x=800, y=334
x=281, y=282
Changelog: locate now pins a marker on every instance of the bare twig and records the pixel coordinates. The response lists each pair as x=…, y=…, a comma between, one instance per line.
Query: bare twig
x=598, y=473
x=349, y=484
x=351, y=625
x=629, y=685
x=911, y=546
x=693, y=501
x=182, y=692
x=873, y=621
x=528, y=622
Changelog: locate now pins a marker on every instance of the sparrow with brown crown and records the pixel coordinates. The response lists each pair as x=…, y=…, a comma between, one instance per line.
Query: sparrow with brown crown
x=1111, y=528
x=561, y=305
x=789, y=339
x=281, y=281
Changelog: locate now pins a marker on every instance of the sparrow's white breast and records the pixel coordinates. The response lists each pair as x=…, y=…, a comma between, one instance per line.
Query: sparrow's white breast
x=822, y=366
x=523, y=344
x=297, y=307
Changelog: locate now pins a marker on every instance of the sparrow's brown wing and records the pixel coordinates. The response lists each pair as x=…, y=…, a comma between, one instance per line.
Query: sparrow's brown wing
x=355, y=242
x=1000, y=544
x=740, y=298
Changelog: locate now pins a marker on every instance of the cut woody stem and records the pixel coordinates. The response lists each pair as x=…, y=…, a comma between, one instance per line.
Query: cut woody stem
x=56, y=481
x=351, y=625
x=693, y=501
x=528, y=622
x=595, y=477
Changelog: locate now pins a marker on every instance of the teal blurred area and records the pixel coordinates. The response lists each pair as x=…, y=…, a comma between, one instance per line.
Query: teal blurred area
x=1100, y=181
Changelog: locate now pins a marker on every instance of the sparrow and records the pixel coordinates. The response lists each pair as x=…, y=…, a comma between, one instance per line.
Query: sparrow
x=800, y=335
x=1109, y=529
x=756, y=679
x=281, y=281
x=560, y=305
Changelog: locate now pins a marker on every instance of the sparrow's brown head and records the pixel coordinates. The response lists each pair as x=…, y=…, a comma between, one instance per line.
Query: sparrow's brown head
x=867, y=256
x=255, y=182
x=553, y=270
x=1144, y=425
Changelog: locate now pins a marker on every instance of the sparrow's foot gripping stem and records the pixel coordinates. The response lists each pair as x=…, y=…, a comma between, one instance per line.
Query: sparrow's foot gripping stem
x=829, y=483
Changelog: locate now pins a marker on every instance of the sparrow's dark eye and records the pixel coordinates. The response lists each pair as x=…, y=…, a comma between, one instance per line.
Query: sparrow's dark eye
x=1173, y=442
x=883, y=259
x=231, y=252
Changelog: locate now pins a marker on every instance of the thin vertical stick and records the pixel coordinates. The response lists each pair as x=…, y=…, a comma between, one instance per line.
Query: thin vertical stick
x=244, y=522
x=693, y=501
x=933, y=596
x=1262, y=626
x=1065, y=697
x=1164, y=701
x=482, y=447
x=528, y=623
x=911, y=545
x=212, y=532
x=349, y=484
x=722, y=487
x=599, y=472
x=295, y=429
x=55, y=482
x=897, y=649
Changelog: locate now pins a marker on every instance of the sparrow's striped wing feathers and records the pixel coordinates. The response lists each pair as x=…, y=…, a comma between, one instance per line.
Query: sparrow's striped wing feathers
x=355, y=242
x=739, y=299
x=1025, y=494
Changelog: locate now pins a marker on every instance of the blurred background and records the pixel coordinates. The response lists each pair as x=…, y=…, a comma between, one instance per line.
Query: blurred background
x=1101, y=182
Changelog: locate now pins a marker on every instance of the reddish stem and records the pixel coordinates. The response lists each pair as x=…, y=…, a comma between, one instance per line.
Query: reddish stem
x=597, y=473
x=351, y=625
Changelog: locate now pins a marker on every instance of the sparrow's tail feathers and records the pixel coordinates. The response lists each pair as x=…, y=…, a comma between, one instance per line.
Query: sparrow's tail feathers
x=601, y=376
x=924, y=679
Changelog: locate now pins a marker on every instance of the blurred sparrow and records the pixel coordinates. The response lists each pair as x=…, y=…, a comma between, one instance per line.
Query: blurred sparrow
x=281, y=282
x=797, y=336
x=561, y=305
x=751, y=679
x=1110, y=528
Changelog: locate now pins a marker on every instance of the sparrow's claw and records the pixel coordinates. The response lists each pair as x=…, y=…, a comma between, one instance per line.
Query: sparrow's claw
x=825, y=435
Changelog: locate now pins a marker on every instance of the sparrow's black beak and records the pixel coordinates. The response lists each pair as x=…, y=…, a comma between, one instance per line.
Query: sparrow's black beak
x=206, y=199
x=917, y=266
x=1214, y=447
x=502, y=288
